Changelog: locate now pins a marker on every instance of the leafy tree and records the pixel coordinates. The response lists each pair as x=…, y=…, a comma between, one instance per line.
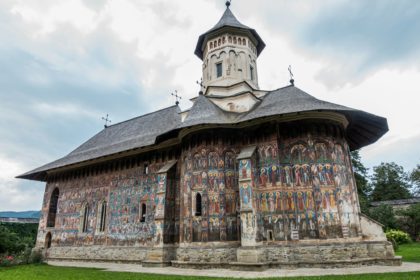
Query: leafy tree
x=409, y=220
x=385, y=215
x=389, y=182
x=415, y=179
x=362, y=183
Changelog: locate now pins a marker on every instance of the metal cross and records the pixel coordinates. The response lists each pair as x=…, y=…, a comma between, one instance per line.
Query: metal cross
x=292, y=81
x=176, y=97
x=228, y=3
x=200, y=83
x=107, y=120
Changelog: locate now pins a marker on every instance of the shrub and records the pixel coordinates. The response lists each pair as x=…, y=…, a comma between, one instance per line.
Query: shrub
x=398, y=236
x=6, y=261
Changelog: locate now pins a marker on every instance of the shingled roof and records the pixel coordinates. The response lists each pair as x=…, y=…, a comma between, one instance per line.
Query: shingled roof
x=227, y=20
x=363, y=128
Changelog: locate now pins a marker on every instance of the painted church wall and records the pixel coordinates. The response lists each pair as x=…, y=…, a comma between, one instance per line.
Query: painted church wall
x=305, y=188
x=124, y=190
x=209, y=172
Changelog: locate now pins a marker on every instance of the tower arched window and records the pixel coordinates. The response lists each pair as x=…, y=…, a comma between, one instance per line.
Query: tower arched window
x=198, y=205
x=85, y=218
x=102, y=223
x=52, y=210
x=143, y=213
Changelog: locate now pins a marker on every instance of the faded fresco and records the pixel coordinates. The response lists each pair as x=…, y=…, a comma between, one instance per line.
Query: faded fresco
x=124, y=192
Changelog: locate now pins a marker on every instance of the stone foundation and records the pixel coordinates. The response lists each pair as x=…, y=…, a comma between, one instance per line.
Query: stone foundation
x=286, y=255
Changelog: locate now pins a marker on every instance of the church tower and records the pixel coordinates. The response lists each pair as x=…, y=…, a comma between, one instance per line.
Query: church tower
x=229, y=52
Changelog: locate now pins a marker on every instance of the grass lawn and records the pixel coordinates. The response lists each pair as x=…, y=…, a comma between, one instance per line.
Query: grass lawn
x=409, y=252
x=46, y=272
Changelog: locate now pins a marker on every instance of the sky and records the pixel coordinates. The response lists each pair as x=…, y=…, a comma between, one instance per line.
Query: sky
x=64, y=64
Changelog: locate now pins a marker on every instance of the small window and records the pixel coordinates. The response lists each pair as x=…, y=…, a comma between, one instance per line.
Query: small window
x=85, y=218
x=103, y=217
x=48, y=240
x=52, y=210
x=143, y=213
x=219, y=69
x=146, y=169
x=251, y=71
x=198, y=204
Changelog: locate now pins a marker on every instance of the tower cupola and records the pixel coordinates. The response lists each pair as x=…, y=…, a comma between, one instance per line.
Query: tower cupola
x=229, y=52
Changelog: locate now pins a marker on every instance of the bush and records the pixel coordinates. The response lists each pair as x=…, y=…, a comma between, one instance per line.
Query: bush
x=7, y=261
x=397, y=236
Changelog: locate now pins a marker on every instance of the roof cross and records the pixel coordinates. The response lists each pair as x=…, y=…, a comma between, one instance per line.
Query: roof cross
x=177, y=97
x=107, y=120
x=228, y=3
x=292, y=81
x=202, y=86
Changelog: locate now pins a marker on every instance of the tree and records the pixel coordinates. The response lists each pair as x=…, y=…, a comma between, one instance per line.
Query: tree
x=409, y=220
x=389, y=182
x=385, y=215
x=362, y=183
x=415, y=180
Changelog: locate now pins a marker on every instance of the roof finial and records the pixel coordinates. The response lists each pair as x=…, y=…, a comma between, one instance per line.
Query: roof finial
x=177, y=97
x=202, y=86
x=292, y=81
x=228, y=3
x=107, y=120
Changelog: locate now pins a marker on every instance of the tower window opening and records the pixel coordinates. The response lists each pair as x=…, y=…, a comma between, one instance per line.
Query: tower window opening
x=146, y=169
x=219, y=70
x=143, y=213
x=198, y=204
x=251, y=71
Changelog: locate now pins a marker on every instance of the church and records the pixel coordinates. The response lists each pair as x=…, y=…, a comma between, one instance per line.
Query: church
x=244, y=179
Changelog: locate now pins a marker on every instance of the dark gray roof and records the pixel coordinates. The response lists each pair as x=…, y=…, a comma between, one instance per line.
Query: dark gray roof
x=407, y=201
x=228, y=20
x=131, y=134
x=363, y=128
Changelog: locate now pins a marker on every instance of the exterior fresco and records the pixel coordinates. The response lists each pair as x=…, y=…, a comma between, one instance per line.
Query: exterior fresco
x=123, y=191
x=209, y=171
x=305, y=189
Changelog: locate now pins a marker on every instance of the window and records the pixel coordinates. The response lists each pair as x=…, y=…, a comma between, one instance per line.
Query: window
x=103, y=217
x=85, y=221
x=219, y=70
x=52, y=210
x=48, y=240
x=198, y=204
x=143, y=213
x=251, y=71
x=146, y=169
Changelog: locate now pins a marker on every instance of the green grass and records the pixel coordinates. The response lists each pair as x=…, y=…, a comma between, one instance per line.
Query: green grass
x=410, y=252
x=46, y=272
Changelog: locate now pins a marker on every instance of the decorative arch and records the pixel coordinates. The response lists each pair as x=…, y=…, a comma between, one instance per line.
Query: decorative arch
x=52, y=209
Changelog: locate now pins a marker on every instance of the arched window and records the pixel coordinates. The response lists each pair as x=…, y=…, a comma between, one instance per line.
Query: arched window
x=85, y=221
x=198, y=204
x=143, y=213
x=48, y=240
x=103, y=217
x=52, y=210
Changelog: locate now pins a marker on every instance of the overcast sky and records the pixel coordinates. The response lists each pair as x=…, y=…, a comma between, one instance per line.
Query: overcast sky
x=64, y=64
